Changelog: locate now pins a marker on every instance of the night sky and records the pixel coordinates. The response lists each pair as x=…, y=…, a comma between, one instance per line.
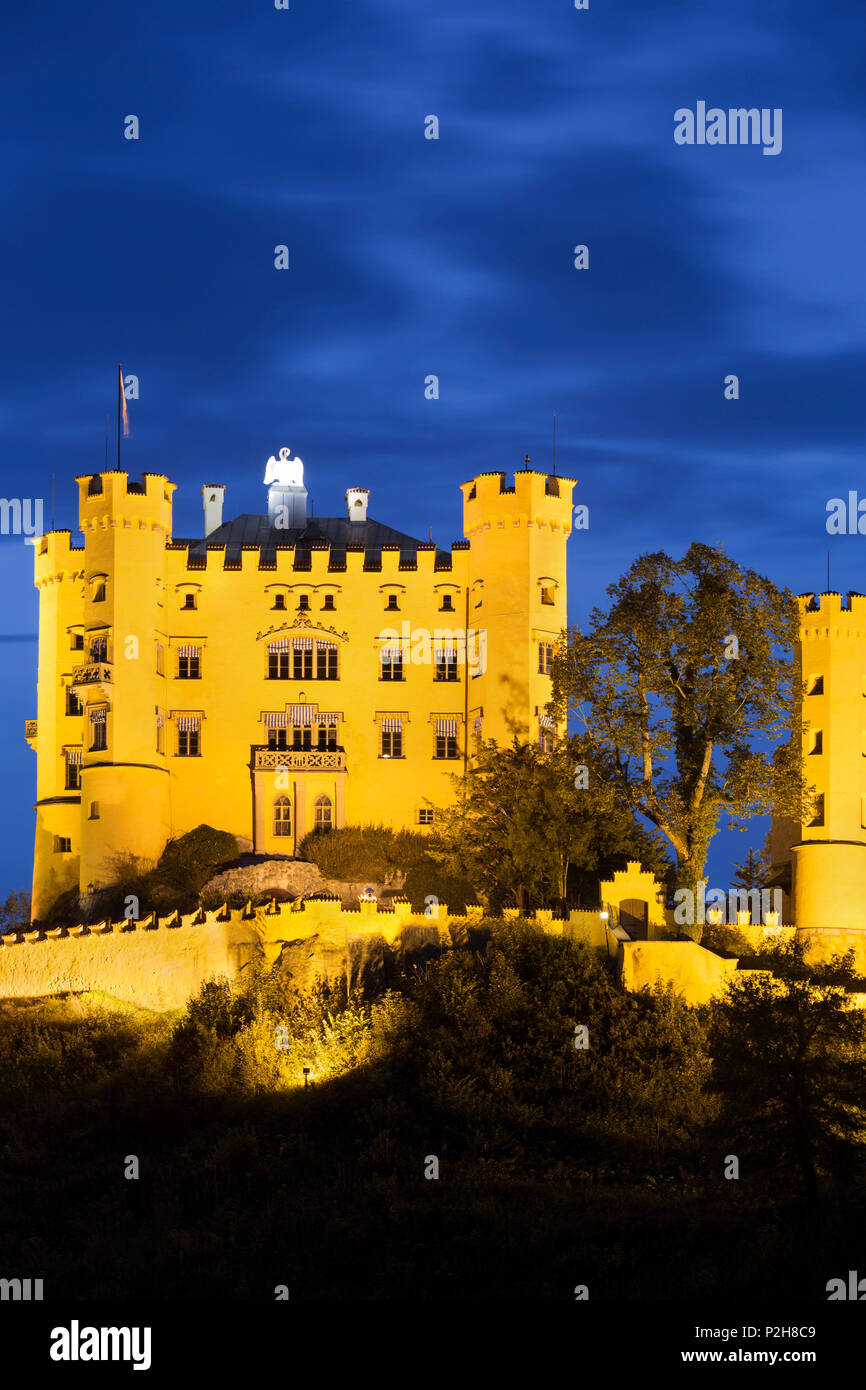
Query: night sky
x=410, y=256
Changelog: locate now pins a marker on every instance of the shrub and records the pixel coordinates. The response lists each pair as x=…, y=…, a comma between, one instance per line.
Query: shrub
x=189, y=861
x=364, y=851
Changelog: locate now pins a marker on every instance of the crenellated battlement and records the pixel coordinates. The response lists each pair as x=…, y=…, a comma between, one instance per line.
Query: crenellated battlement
x=56, y=558
x=534, y=498
x=827, y=615
x=112, y=498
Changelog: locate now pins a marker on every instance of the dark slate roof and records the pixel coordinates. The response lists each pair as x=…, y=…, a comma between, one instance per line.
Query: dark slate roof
x=251, y=529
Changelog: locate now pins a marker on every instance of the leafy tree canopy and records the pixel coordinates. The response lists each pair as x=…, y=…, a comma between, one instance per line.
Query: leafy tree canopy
x=685, y=684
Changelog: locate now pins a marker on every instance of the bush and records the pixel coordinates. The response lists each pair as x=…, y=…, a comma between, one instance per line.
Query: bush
x=364, y=851
x=188, y=862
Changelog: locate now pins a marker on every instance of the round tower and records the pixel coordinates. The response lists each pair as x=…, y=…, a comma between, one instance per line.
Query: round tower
x=829, y=853
x=125, y=806
x=517, y=592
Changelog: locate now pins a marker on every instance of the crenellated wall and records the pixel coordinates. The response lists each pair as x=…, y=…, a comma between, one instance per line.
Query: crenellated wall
x=157, y=963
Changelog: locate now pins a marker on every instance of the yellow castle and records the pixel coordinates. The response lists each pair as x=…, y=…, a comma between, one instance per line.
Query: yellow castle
x=281, y=673
x=822, y=863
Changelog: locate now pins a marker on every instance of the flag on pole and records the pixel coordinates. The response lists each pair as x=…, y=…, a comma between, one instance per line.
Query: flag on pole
x=121, y=401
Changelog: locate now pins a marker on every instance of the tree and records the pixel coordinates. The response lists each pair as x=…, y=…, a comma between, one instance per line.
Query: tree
x=523, y=817
x=752, y=873
x=685, y=683
x=789, y=1062
x=15, y=913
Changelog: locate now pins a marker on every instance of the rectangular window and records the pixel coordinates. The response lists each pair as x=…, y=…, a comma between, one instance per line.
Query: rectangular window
x=446, y=746
x=99, y=649
x=160, y=733
x=545, y=658
x=302, y=738
x=99, y=738
x=77, y=641
x=160, y=659
x=73, y=704
x=818, y=813
x=815, y=685
x=302, y=663
x=278, y=666
x=278, y=738
x=391, y=664
x=188, y=745
x=189, y=600
x=446, y=664
x=326, y=661
x=547, y=595
x=99, y=591
x=392, y=743
x=189, y=663
x=62, y=844
x=816, y=741
x=73, y=770
x=425, y=815
x=327, y=736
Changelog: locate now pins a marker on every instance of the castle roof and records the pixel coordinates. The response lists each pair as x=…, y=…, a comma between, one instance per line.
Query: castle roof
x=321, y=532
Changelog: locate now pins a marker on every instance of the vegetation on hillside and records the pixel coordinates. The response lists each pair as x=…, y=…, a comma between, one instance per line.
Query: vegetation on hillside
x=284, y=1138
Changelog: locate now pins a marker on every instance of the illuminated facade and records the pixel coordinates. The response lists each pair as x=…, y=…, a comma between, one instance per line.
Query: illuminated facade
x=281, y=673
x=822, y=863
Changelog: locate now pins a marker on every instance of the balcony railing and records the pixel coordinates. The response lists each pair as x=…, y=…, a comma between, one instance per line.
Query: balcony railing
x=92, y=673
x=299, y=759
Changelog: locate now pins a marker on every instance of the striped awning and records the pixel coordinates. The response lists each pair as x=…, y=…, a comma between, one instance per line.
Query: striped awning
x=327, y=646
x=328, y=718
x=446, y=728
x=189, y=651
x=276, y=720
x=73, y=757
x=301, y=715
x=283, y=645
x=545, y=721
x=302, y=644
x=189, y=723
x=97, y=716
x=392, y=725
x=445, y=654
x=390, y=654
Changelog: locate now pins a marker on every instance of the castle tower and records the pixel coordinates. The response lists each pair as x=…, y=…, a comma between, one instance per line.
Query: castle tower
x=829, y=853
x=516, y=594
x=55, y=735
x=124, y=784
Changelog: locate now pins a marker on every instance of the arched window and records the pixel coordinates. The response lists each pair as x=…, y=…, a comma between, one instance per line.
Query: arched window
x=324, y=821
x=282, y=816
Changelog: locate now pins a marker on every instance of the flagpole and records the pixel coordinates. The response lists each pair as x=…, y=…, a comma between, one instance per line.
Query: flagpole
x=119, y=411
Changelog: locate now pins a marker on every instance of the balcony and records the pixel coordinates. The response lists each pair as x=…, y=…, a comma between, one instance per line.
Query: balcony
x=94, y=673
x=299, y=759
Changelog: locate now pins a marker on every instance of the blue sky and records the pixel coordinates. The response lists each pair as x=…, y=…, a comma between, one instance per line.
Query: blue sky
x=409, y=256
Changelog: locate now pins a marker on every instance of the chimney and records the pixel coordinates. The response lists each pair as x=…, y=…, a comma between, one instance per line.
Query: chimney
x=212, y=496
x=356, y=503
